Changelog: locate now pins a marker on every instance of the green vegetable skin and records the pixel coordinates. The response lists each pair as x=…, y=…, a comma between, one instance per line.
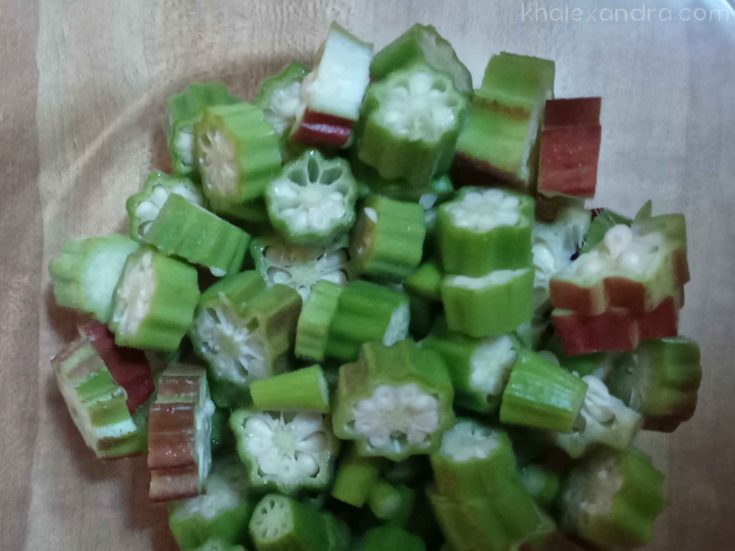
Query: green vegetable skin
x=315, y=319
x=281, y=523
x=355, y=478
x=279, y=97
x=390, y=538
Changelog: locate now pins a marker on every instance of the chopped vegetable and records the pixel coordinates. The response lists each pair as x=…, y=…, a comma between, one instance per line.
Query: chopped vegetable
x=391, y=538
x=543, y=484
x=305, y=389
x=355, y=478
x=216, y=544
x=315, y=319
x=602, y=221
x=426, y=281
x=280, y=97
x=281, y=523
x=391, y=503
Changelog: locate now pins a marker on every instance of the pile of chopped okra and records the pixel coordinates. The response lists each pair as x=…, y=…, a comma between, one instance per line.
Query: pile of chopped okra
x=369, y=310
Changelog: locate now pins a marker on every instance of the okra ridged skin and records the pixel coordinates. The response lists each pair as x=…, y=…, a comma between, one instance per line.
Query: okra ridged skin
x=86, y=272
x=315, y=320
x=247, y=153
x=182, y=112
x=490, y=305
x=541, y=394
x=355, y=477
x=304, y=389
x=388, y=238
x=370, y=182
x=193, y=233
x=154, y=301
x=612, y=498
x=426, y=281
x=216, y=544
x=390, y=538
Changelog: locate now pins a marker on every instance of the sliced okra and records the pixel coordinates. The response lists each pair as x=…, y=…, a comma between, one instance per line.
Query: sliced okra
x=281, y=523
x=280, y=97
x=391, y=538
x=426, y=281
x=355, y=477
x=315, y=320
x=543, y=484
x=391, y=503
x=304, y=389
x=602, y=221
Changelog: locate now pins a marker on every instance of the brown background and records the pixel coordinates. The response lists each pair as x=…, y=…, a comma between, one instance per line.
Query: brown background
x=82, y=86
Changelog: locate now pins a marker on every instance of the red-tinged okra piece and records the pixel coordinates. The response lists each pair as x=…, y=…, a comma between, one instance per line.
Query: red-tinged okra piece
x=614, y=330
x=570, y=147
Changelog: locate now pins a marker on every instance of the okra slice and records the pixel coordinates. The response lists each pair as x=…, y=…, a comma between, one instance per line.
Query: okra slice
x=660, y=380
x=86, y=272
x=179, y=434
x=369, y=181
x=281, y=523
x=244, y=331
x=479, y=368
x=96, y=402
x=222, y=513
x=183, y=111
x=315, y=320
x=144, y=206
x=332, y=93
x=391, y=503
x=410, y=123
x=605, y=420
x=388, y=239
x=154, y=301
x=542, y=394
x=216, y=544
x=355, y=478
x=490, y=305
x=305, y=389
x=391, y=538
x=300, y=267
x=482, y=230
x=602, y=220
x=393, y=401
x=426, y=281
x=237, y=154
x=612, y=498
x=285, y=451
x=543, y=484
x=367, y=312
x=194, y=234
x=422, y=43
x=313, y=200
x=499, y=142
x=339, y=537
x=280, y=97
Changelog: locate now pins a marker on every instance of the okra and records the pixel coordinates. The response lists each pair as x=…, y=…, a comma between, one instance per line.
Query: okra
x=339, y=537
x=313, y=200
x=154, y=301
x=426, y=281
x=612, y=498
x=483, y=230
x=543, y=484
x=388, y=239
x=144, y=206
x=281, y=523
x=222, y=513
x=367, y=312
x=305, y=389
x=410, y=124
x=490, y=305
x=660, y=380
x=355, y=478
x=542, y=394
x=369, y=182
x=423, y=316
x=179, y=434
x=194, y=234
x=602, y=221
x=221, y=433
x=280, y=97
x=315, y=320
x=216, y=544
x=394, y=402
x=391, y=538
x=244, y=331
x=391, y=503
x=183, y=111
x=422, y=43
x=86, y=272
x=285, y=452
x=237, y=154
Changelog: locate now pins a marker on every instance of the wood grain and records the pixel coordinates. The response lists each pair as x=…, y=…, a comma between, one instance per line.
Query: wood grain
x=82, y=94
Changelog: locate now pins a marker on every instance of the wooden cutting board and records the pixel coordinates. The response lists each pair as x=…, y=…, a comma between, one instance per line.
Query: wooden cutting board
x=81, y=101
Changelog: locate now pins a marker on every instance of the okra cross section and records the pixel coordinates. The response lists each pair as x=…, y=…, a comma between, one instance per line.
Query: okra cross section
x=313, y=200
x=179, y=432
x=285, y=451
x=282, y=523
x=280, y=97
x=394, y=401
x=482, y=230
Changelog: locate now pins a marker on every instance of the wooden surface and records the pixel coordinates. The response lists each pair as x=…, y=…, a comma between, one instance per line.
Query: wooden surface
x=81, y=96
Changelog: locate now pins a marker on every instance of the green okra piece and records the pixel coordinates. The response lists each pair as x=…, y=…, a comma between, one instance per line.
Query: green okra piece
x=391, y=538
x=660, y=380
x=543, y=484
x=183, y=111
x=483, y=230
x=603, y=220
x=605, y=420
x=426, y=281
x=144, y=206
x=222, y=513
x=391, y=503
x=479, y=368
x=154, y=301
x=300, y=266
x=410, y=124
x=315, y=319
x=356, y=475
x=221, y=434
x=86, y=272
x=285, y=451
x=367, y=312
x=281, y=523
x=250, y=212
x=542, y=394
x=280, y=97
x=305, y=389
x=244, y=331
x=216, y=544
x=393, y=401
x=423, y=314
x=611, y=499
x=490, y=305
x=370, y=182
x=388, y=238
x=194, y=234
x=339, y=537
x=312, y=201
x=422, y=43
x=237, y=153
